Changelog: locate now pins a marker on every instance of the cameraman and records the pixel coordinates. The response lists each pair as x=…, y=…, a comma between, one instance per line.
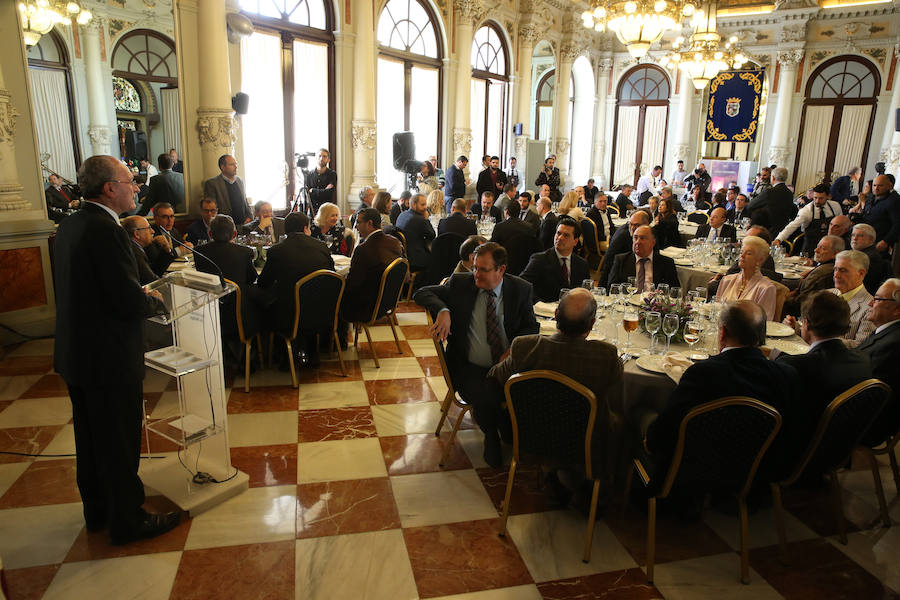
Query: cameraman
x=321, y=182
x=699, y=178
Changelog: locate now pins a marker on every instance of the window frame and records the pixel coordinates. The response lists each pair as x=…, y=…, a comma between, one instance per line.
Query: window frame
x=494, y=79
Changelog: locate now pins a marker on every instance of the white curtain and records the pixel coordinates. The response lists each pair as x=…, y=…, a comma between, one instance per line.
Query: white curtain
x=546, y=113
x=51, y=115
x=625, y=142
x=171, y=118
x=852, y=138
x=654, y=136
x=813, y=146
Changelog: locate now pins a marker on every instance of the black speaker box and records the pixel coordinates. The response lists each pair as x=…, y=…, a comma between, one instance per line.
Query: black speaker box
x=897, y=120
x=404, y=149
x=240, y=103
x=136, y=145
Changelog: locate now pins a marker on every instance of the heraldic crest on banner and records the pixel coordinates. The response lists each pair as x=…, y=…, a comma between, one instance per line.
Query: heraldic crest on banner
x=734, y=101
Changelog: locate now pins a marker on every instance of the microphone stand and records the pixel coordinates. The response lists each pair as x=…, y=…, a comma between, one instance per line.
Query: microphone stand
x=201, y=255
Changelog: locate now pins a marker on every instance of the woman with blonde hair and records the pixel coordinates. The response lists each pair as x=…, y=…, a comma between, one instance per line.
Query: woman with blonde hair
x=435, y=203
x=749, y=283
x=382, y=204
x=327, y=228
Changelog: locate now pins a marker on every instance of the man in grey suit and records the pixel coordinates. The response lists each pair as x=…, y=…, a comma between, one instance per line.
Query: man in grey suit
x=167, y=186
x=228, y=191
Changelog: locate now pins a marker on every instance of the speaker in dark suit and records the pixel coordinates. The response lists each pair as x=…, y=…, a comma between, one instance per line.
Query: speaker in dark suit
x=457, y=223
x=544, y=272
x=778, y=202
x=517, y=237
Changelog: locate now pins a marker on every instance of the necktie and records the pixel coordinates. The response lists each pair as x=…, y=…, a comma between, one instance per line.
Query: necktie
x=821, y=213
x=641, y=274
x=63, y=192
x=565, y=272
x=493, y=327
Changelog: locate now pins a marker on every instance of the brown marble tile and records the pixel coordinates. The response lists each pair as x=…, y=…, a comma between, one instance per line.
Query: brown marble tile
x=48, y=386
x=30, y=440
x=421, y=453
x=267, y=465
x=263, y=571
x=468, y=421
x=328, y=424
x=400, y=391
x=630, y=584
x=30, y=583
x=158, y=443
x=330, y=371
x=813, y=508
x=4, y=404
x=530, y=494
x=431, y=365
x=43, y=482
x=341, y=507
x=816, y=570
x=416, y=332
x=26, y=365
x=95, y=545
x=463, y=557
x=675, y=539
x=263, y=399
x=24, y=266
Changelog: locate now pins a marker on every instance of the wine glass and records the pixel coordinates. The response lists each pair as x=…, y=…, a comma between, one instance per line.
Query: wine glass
x=663, y=289
x=630, y=287
x=630, y=323
x=587, y=284
x=692, y=331
x=615, y=292
x=652, y=324
x=601, y=298
x=669, y=328
x=702, y=294
x=675, y=293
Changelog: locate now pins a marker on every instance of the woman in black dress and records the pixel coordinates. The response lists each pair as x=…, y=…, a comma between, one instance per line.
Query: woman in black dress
x=666, y=226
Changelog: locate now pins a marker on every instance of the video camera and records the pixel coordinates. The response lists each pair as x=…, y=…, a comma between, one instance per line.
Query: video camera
x=303, y=159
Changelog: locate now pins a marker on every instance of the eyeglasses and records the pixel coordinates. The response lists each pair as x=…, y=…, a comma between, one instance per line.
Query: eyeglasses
x=129, y=182
x=881, y=299
x=209, y=210
x=142, y=228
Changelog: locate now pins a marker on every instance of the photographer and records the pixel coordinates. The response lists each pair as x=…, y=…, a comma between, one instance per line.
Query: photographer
x=321, y=182
x=699, y=178
x=550, y=177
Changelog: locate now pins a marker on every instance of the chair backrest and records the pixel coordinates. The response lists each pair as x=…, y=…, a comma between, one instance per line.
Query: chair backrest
x=389, y=290
x=721, y=444
x=589, y=234
x=840, y=428
x=238, y=301
x=394, y=231
x=442, y=356
x=552, y=417
x=781, y=294
x=444, y=256
x=317, y=298
x=698, y=216
x=797, y=244
x=613, y=208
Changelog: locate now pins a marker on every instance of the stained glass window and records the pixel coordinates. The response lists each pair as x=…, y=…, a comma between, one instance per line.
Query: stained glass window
x=126, y=95
x=130, y=125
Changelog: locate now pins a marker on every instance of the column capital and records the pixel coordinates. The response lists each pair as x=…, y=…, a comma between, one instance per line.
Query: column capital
x=789, y=59
x=100, y=134
x=605, y=65
x=529, y=33
x=462, y=140
x=469, y=11
x=215, y=128
x=363, y=134
x=569, y=51
x=96, y=25
x=682, y=152
x=779, y=155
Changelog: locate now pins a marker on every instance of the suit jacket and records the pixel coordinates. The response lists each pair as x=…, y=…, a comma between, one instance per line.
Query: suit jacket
x=457, y=223
x=486, y=184
x=454, y=185
x=494, y=212
x=216, y=187
x=459, y=296
x=547, y=229
x=544, y=272
x=779, y=202
x=840, y=189
x=624, y=203
x=884, y=215
x=253, y=227
x=396, y=209
x=882, y=349
x=820, y=278
x=286, y=263
x=726, y=231
x=624, y=266
x=145, y=273
x=366, y=268
x=533, y=219
x=159, y=258
x=236, y=263
x=879, y=269
x=860, y=326
x=197, y=233
x=518, y=238
x=621, y=242
x=100, y=306
x=597, y=217
x=168, y=186
x=418, y=232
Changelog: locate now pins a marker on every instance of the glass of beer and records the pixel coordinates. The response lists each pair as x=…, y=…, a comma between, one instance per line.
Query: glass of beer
x=630, y=323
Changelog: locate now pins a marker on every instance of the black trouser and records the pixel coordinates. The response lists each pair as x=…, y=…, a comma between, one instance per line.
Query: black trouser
x=108, y=445
x=483, y=394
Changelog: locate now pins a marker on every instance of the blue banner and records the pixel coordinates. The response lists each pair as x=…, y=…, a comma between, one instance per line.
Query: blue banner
x=734, y=100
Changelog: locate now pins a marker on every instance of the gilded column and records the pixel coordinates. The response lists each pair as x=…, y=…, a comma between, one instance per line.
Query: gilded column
x=604, y=68
x=362, y=132
x=561, y=143
x=215, y=118
x=467, y=13
x=528, y=35
x=681, y=150
x=779, y=151
x=100, y=131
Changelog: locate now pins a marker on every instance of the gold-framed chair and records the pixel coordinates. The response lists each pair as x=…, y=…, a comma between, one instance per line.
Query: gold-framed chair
x=451, y=398
x=389, y=291
x=889, y=447
x=797, y=243
x=247, y=341
x=411, y=278
x=613, y=208
x=789, y=247
x=700, y=217
x=543, y=401
x=781, y=294
x=840, y=428
x=717, y=444
x=321, y=290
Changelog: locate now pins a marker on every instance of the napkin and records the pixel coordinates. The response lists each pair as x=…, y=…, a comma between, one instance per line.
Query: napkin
x=674, y=364
x=545, y=309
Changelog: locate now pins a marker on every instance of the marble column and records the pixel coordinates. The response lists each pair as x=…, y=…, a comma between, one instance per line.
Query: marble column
x=528, y=35
x=467, y=13
x=362, y=132
x=779, y=151
x=215, y=118
x=10, y=189
x=99, y=129
x=890, y=142
x=561, y=143
x=604, y=68
x=681, y=150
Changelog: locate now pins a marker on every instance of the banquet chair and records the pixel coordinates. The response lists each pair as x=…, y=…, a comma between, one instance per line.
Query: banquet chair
x=781, y=294
x=838, y=432
x=613, y=209
x=720, y=445
x=699, y=217
x=317, y=299
x=451, y=398
x=797, y=244
x=412, y=275
x=592, y=252
x=444, y=257
x=389, y=291
x=889, y=447
x=553, y=419
x=245, y=335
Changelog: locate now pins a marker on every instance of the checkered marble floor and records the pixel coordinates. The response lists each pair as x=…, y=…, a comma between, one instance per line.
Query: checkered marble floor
x=346, y=501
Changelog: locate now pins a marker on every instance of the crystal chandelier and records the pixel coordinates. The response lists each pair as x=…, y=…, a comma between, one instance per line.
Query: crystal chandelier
x=637, y=23
x=704, y=56
x=39, y=16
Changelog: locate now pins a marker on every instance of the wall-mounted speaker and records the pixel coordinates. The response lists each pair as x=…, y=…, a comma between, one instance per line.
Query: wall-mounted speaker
x=240, y=103
x=136, y=145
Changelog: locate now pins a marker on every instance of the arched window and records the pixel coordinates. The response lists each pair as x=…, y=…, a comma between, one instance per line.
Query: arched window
x=546, y=93
x=642, y=117
x=489, y=84
x=51, y=90
x=125, y=96
x=146, y=55
x=841, y=95
x=287, y=68
x=408, y=76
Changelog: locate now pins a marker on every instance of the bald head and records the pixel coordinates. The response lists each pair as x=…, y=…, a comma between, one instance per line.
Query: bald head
x=717, y=218
x=882, y=185
x=839, y=226
x=576, y=312
x=742, y=323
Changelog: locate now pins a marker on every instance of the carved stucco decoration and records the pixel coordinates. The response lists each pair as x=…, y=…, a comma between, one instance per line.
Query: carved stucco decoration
x=363, y=135
x=215, y=127
x=878, y=54
x=521, y=145
x=819, y=56
x=462, y=140
x=793, y=33
x=529, y=33
x=469, y=10
x=682, y=152
x=570, y=50
x=605, y=65
x=795, y=4
x=779, y=155
x=100, y=134
x=8, y=116
x=117, y=26
x=789, y=59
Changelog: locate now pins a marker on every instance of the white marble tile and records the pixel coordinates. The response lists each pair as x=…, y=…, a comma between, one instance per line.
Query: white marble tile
x=35, y=412
x=62, y=443
x=13, y=386
x=340, y=460
x=167, y=406
x=717, y=576
x=9, y=472
x=447, y=497
x=262, y=429
x=416, y=318
x=363, y=566
x=422, y=347
x=875, y=550
x=401, y=419
x=266, y=377
x=552, y=544
x=438, y=386
x=379, y=333
x=861, y=484
x=42, y=347
x=520, y=592
x=391, y=368
x=147, y=576
x=38, y=535
x=761, y=528
x=337, y=394
x=263, y=514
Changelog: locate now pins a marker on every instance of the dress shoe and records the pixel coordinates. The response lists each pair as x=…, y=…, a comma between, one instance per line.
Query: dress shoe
x=151, y=525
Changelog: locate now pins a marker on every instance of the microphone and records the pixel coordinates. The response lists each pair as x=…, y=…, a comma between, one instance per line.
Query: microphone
x=201, y=255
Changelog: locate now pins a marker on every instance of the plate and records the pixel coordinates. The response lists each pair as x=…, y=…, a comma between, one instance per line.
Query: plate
x=775, y=329
x=545, y=309
x=636, y=300
x=652, y=363
x=684, y=262
x=789, y=346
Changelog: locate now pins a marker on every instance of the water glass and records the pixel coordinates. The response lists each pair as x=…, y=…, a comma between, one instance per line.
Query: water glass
x=652, y=324
x=702, y=294
x=587, y=284
x=615, y=292
x=670, y=328
x=675, y=293
x=631, y=287
x=563, y=292
x=663, y=289
x=600, y=297
x=692, y=297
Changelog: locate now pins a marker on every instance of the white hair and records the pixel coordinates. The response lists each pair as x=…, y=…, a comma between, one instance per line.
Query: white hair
x=866, y=229
x=779, y=174
x=858, y=259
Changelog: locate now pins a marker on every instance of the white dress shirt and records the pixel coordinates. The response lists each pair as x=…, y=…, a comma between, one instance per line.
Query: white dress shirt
x=645, y=184
x=648, y=271
x=806, y=216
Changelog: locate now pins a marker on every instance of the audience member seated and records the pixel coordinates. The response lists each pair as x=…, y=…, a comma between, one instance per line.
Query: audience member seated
x=883, y=348
x=862, y=238
x=840, y=226
x=644, y=263
x=60, y=196
x=882, y=212
x=487, y=208
x=166, y=186
x=457, y=222
x=559, y=267
x=198, y=232
x=417, y=228
x=621, y=242
x=435, y=203
x=623, y=200
x=568, y=206
x=264, y=222
x=666, y=193
x=820, y=278
x=366, y=199
x=508, y=195
x=402, y=204
x=813, y=219
x=517, y=237
x=602, y=219
x=164, y=250
x=716, y=228
x=467, y=253
x=652, y=205
x=328, y=229
x=850, y=268
x=372, y=256
x=383, y=204
x=750, y=283
x=698, y=197
x=740, y=209
x=549, y=220
x=527, y=214
x=767, y=268
x=665, y=227
x=141, y=235
x=470, y=309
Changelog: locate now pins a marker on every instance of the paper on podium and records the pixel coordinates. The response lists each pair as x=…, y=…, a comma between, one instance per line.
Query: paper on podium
x=190, y=425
